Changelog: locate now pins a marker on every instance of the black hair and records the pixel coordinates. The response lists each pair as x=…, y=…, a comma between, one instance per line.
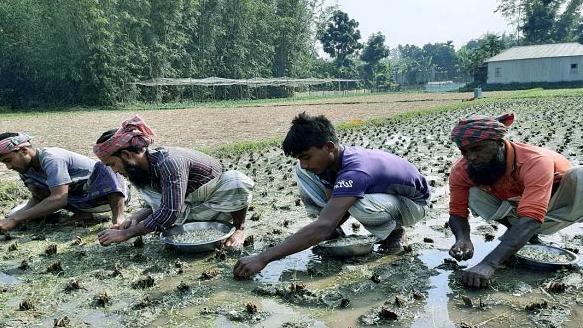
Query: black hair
x=108, y=134
x=306, y=132
x=6, y=135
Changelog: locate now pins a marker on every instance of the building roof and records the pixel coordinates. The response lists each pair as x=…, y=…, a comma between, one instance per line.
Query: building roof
x=539, y=51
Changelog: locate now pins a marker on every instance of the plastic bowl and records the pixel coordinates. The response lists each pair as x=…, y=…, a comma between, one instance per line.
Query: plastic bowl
x=226, y=228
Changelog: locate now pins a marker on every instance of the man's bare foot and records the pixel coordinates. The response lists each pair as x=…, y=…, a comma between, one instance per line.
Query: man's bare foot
x=236, y=240
x=393, y=244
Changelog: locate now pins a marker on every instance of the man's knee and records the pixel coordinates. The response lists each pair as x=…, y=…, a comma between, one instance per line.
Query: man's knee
x=575, y=174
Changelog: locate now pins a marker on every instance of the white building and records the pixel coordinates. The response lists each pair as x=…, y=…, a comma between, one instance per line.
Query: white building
x=562, y=62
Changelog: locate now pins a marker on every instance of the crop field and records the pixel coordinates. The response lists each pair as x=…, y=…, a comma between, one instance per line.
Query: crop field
x=55, y=273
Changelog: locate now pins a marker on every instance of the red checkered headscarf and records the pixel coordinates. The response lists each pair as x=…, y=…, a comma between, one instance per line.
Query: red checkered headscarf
x=133, y=132
x=479, y=128
x=11, y=144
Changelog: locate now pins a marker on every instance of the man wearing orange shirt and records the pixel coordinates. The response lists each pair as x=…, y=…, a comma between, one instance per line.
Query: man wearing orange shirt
x=529, y=189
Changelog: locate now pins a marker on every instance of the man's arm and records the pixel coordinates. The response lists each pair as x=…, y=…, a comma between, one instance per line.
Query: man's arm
x=116, y=203
x=511, y=242
x=308, y=236
x=56, y=200
x=131, y=227
x=134, y=218
x=111, y=236
x=32, y=201
x=463, y=249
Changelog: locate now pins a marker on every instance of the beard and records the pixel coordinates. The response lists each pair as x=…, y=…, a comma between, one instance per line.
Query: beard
x=488, y=174
x=137, y=176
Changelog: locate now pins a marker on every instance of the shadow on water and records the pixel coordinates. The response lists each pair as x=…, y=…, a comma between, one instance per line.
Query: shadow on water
x=287, y=268
x=435, y=312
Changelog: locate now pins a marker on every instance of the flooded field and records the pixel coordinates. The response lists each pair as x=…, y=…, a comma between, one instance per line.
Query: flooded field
x=57, y=274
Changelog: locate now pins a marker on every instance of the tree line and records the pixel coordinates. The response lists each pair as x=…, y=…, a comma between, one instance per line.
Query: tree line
x=89, y=52
x=62, y=52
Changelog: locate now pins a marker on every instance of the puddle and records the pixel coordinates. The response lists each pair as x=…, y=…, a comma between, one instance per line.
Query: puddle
x=423, y=140
x=6, y=279
x=278, y=315
x=287, y=268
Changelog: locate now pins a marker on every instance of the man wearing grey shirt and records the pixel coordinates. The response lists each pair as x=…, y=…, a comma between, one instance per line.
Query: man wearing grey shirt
x=60, y=179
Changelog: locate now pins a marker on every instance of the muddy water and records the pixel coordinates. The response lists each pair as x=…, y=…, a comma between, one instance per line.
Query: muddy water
x=305, y=289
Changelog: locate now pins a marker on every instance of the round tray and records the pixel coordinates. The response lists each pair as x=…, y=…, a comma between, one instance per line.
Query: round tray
x=362, y=245
x=549, y=266
x=166, y=236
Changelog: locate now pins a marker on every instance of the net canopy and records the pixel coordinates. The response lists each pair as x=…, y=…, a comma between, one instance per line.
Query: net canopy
x=254, y=82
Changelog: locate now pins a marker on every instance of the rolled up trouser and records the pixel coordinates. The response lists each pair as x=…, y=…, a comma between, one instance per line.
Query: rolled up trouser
x=214, y=201
x=565, y=206
x=379, y=213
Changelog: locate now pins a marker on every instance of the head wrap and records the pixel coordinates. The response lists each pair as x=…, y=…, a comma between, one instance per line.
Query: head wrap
x=11, y=144
x=133, y=132
x=479, y=128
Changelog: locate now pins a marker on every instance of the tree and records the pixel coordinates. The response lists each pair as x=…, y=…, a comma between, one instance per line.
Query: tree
x=567, y=26
x=411, y=65
x=89, y=52
x=539, y=20
x=374, y=51
x=543, y=21
x=471, y=56
x=442, y=59
x=340, y=38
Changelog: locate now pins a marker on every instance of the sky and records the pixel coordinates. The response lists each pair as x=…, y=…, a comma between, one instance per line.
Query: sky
x=425, y=21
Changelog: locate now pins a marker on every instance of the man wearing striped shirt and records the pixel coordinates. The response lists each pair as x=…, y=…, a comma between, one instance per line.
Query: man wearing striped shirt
x=177, y=184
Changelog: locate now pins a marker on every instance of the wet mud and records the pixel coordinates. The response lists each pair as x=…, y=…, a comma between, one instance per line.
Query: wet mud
x=56, y=274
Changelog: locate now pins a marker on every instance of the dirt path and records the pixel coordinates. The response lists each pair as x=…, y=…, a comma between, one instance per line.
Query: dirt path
x=211, y=127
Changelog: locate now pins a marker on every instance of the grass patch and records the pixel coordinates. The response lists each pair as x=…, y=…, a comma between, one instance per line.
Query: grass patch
x=11, y=191
x=541, y=93
x=243, y=147
x=304, y=100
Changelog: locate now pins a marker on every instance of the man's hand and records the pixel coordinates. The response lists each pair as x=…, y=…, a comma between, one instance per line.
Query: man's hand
x=462, y=250
x=8, y=224
x=236, y=240
x=111, y=236
x=478, y=276
x=247, y=266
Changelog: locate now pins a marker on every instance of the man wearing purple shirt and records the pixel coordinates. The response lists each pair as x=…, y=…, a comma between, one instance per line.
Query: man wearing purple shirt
x=382, y=191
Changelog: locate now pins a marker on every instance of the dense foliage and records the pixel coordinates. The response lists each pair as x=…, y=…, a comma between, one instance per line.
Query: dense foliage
x=89, y=52
x=62, y=52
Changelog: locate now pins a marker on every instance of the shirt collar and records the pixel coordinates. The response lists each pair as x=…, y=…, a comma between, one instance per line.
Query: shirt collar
x=154, y=157
x=510, y=157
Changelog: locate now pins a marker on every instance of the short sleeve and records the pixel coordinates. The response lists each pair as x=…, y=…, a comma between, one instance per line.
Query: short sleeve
x=56, y=170
x=537, y=177
x=351, y=183
x=459, y=190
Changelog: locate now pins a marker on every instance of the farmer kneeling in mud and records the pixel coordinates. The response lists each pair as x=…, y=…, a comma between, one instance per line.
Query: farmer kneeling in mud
x=528, y=189
x=60, y=179
x=382, y=191
x=177, y=184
